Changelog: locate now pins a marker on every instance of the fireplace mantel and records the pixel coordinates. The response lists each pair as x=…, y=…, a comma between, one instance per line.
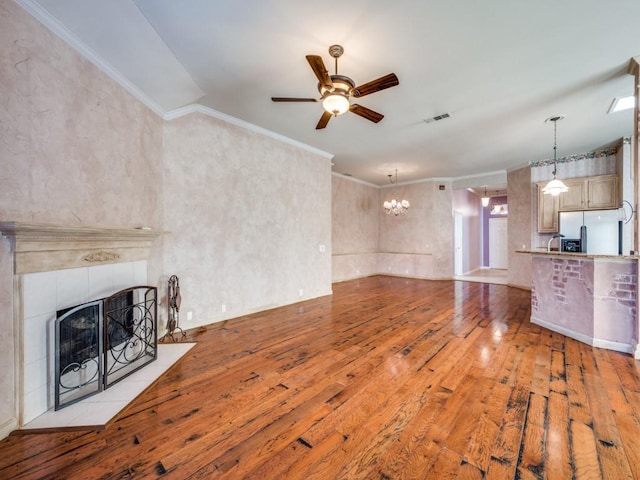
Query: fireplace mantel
x=43, y=247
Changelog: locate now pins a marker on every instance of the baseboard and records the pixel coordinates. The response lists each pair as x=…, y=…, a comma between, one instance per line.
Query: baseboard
x=581, y=337
x=7, y=427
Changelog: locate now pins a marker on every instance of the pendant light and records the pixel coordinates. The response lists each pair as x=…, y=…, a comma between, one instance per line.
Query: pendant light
x=485, y=199
x=555, y=187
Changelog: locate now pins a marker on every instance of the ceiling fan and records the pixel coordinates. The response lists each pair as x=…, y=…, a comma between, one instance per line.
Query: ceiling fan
x=335, y=90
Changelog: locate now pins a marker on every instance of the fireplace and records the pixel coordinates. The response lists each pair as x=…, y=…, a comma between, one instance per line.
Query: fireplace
x=54, y=268
x=99, y=343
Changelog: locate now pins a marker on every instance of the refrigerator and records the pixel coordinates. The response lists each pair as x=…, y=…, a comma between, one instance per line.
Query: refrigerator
x=598, y=230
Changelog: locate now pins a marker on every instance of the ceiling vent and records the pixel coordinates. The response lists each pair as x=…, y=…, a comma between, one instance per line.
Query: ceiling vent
x=437, y=118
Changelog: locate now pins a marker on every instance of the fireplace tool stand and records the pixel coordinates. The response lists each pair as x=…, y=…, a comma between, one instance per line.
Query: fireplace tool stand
x=173, y=307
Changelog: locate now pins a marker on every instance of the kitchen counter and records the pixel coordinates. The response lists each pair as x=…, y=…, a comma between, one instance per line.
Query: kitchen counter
x=591, y=298
x=543, y=251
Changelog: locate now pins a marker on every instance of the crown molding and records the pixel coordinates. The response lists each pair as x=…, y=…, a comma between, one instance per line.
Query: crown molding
x=480, y=175
x=197, y=108
x=72, y=40
x=50, y=22
x=354, y=179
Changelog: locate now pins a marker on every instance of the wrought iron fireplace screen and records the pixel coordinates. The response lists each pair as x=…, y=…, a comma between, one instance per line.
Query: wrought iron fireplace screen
x=99, y=343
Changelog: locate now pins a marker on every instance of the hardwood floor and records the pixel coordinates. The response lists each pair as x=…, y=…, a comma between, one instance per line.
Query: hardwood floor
x=388, y=378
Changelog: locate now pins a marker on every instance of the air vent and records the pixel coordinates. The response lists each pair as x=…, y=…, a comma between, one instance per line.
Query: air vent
x=437, y=118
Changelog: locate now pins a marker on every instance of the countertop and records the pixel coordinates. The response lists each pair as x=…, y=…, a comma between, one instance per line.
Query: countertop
x=556, y=253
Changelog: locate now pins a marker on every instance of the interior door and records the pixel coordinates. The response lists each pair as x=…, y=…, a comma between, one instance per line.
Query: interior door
x=498, y=250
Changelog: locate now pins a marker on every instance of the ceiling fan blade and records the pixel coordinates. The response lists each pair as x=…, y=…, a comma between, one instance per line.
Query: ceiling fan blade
x=324, y=119
x=376, y=85
x=365, y=112
x=317, y=65
x=293, y=99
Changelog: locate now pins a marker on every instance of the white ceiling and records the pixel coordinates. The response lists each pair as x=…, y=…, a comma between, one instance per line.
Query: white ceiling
x=499, y=68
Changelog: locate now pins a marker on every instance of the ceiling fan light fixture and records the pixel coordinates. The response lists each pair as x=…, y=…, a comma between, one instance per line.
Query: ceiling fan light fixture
x=336, y=104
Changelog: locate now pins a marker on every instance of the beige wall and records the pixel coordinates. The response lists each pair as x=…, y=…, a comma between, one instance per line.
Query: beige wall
x=248, y=215
x=521, y=223
x=354, y=236
x=420, y=243
x=75, y=148
x=417, y=244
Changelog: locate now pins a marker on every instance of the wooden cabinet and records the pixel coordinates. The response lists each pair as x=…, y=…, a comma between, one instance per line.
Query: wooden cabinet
x=603, y=192
x=575, y=198
x=548, y=207
x=589, y=193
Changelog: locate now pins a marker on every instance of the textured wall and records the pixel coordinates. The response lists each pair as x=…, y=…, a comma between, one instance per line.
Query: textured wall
x=417, y=244
x=354, y=236
x=521, y=225
x=591, y=299
x=562, y=293
x=247, y=215
x=75, y=148
x=421, y=240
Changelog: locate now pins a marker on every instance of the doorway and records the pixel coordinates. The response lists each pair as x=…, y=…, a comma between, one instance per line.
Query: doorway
x=498, y=251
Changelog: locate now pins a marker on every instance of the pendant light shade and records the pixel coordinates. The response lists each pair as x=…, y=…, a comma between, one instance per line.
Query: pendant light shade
x=555, y=187
x=485, y=199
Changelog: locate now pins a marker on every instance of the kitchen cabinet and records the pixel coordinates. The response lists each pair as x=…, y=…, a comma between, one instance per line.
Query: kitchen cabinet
x=588, y=193
x=548, y=207
x=575, y=198
x=603, y=192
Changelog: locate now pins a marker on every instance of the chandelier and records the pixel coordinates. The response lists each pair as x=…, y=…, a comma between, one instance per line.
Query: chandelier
x=395, y=206
x=555, y=187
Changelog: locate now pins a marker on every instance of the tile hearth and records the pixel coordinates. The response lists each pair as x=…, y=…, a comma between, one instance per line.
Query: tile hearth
x=97, y=411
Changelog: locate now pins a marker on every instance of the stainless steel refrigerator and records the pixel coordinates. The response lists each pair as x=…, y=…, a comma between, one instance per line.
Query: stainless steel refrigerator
x=598, y=230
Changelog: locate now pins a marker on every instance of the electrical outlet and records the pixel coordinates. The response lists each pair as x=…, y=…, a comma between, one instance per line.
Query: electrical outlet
x=322, y=247
x=223, y=308
x=301, y=292
x=189, y=316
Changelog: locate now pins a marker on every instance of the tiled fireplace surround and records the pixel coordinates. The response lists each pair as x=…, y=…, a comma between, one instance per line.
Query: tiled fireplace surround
x=58, y=267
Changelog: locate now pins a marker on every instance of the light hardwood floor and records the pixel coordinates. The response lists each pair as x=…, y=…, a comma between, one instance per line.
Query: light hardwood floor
x=388, y=378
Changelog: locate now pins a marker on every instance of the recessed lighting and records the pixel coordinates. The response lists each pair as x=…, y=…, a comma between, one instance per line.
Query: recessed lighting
x=621, y=103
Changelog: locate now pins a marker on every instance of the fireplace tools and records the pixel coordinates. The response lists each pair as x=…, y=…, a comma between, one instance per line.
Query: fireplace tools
x=173, y=307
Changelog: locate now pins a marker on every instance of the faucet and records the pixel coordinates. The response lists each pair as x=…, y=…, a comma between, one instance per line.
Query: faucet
x=557, y=235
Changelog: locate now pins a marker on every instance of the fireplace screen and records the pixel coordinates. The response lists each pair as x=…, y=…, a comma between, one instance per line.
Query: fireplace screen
x=101, y=342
